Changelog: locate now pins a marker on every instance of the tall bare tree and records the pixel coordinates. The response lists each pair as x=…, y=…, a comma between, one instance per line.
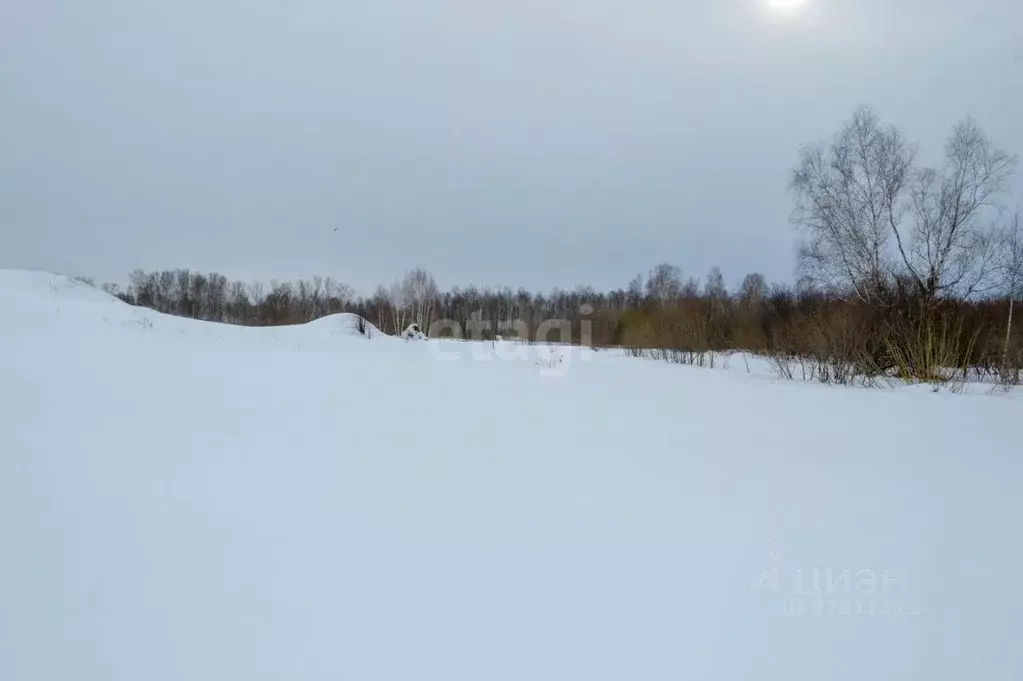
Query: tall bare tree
x=752, y=290
x=414, y=299
x=848, y=204
x=715, y=289
x=664, y=284
x=257, y=292
x=869, y=215
x=952, y=247
x=1011, y=267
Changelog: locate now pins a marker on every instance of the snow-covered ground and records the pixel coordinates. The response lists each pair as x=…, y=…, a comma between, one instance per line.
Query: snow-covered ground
x=189, y=501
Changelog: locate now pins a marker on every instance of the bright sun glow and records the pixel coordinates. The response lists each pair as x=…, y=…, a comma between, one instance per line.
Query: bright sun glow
x=785, y=6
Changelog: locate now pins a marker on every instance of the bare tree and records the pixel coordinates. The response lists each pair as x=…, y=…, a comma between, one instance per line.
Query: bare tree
x=336, y=294
x=421, y=293
x=413, y=300
x=257, y=292
x=715, y=288
x=855, y=198
x=167, y=292
x=215, y=303
x=382, y=307
x=1011, y=268
x=690, y=289
x=183, y=291
x=848, y=204
x=238, y=301
x=664, y=284
x=635, y=291
x=952, y=248
x=400, y=306
x=752, y=290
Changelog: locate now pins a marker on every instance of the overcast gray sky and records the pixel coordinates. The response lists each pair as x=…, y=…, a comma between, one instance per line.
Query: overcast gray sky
x=523, y=142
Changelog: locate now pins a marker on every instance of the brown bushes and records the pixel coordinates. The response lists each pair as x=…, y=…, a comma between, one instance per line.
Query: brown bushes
x=840, y=340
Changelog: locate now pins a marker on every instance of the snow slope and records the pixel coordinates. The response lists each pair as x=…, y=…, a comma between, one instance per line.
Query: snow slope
x=182, y=500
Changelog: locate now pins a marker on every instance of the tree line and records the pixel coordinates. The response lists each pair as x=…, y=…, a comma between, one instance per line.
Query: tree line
x=904, y=269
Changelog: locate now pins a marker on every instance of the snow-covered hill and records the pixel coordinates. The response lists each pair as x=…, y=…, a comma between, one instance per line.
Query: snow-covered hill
x=184, y=500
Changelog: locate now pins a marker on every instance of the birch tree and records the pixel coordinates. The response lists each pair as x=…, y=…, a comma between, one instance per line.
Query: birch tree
x=849, y=204
x=664, y=283
x=1011, y=266
x=869, y=215
x=952, y=245
x=413, y=300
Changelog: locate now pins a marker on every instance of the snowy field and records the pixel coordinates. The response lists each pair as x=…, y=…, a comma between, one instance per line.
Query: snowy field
x=188, y=501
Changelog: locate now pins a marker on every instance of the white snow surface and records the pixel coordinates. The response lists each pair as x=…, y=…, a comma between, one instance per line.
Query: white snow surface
x=184, y=500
